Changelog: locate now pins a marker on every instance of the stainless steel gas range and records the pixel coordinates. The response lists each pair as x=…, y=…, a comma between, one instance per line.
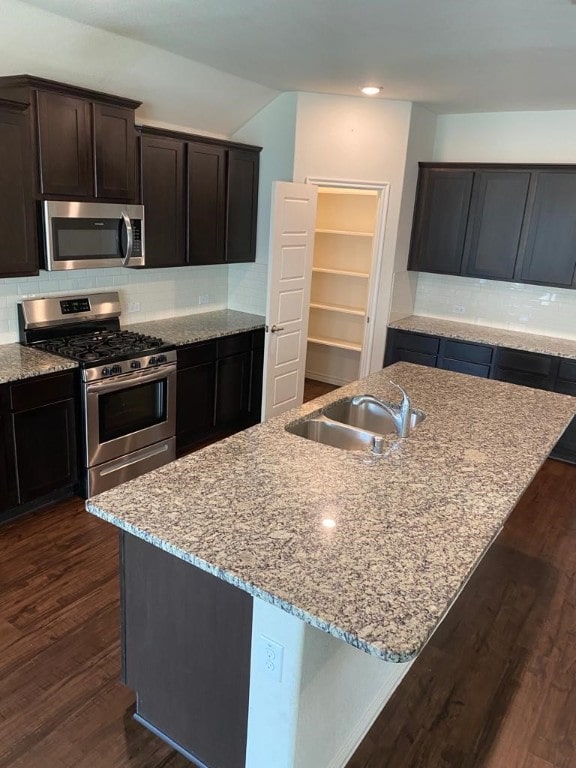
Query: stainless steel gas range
x=128, y=384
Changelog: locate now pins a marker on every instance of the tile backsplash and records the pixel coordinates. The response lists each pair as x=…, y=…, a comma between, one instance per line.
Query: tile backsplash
x=515, y=306
x=144, y=294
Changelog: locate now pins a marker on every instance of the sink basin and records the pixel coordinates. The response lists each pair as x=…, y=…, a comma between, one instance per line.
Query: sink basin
x=368, y=416
x=332, y=433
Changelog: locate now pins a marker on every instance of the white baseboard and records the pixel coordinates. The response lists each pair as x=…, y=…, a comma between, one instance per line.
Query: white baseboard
x=327, y=379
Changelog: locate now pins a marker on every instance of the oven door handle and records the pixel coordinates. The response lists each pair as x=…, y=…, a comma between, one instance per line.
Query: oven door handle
x=129, y=239
x=130, y=379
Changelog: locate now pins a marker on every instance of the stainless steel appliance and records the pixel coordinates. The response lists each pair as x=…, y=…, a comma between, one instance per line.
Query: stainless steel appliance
x=86, y=235
x=128, y=384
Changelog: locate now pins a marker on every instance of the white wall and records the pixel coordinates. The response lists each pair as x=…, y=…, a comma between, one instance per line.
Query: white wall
x=515, y=137
x=273, y=128
x=144, y=294
x=358, y=139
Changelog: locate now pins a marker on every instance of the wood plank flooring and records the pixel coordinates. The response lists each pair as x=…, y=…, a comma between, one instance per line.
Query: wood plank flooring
x=495, y=687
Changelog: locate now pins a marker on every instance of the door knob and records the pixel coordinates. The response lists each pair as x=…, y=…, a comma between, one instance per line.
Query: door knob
x=276, y=328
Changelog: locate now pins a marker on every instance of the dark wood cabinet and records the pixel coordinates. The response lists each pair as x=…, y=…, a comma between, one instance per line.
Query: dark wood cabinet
x=440, y=219
x=242, y=205
x=206, y=203
x=18, y=238
x=43, y=414
x=520, y=224
x=8, y=486
x=115, y=152
x=163, y=170
x=219, y=388
x=186, y=638
x=526, y=368
x=550, y=256
x=495, y=223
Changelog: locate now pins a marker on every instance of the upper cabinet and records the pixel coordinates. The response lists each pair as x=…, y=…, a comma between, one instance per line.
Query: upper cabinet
x=200, y=196
x=85, y=140
x=504, y=222
x=18, y=244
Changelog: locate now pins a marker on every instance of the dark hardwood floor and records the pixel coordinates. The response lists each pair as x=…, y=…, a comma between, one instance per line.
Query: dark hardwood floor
x=495, y=687
x=313, y=389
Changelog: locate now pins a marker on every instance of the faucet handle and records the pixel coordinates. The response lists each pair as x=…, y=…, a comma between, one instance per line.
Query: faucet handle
x=406, y=402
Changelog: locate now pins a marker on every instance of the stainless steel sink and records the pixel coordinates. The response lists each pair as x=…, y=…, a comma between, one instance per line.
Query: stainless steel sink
x=367, y=415
x=332, y=433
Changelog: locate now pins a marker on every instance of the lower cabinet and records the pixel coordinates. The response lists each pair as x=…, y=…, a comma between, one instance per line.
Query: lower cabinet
x=529, y=369
x=40, y=446
x=219, y=388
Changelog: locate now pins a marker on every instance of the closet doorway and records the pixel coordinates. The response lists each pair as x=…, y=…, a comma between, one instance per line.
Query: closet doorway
x=348, y=240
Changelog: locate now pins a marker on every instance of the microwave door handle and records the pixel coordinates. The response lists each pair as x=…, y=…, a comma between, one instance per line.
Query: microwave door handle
x=129, y=239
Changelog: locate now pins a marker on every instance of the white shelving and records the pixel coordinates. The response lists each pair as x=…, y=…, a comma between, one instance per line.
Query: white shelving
x=345, y=226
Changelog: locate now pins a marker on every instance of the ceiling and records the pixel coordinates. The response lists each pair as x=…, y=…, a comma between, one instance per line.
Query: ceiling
x=449, y=55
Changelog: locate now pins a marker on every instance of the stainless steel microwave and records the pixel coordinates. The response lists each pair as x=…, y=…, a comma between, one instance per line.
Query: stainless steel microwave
x=92, y=235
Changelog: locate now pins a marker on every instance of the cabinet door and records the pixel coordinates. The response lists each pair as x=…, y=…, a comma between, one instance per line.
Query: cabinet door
x=18, y=251
x=65, y=139
x=115, y=143
x=206, y=203
x=550, y=255
x=233, y=389
x=408, y=347
x=163, y=195
x=195, y=404
x=440, y=219
x=495, y=223
x=256, y=376
x=242, y=205
x=8, y=489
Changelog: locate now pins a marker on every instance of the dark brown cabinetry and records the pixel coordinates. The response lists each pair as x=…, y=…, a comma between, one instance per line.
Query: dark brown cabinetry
x=8, y=486
x=516, y=366
x=18, y=241
x=40, y=423
x=186, y=638
x=504, y=222
x=200, y=197
x=86, y=140
x=219, y=388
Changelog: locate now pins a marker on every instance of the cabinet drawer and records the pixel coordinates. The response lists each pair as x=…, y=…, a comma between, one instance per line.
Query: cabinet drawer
x=468, y=352
x=420, y=358
x=528, y=362
x=203, y=352
x=258, y=339
x=524, y=378
x=463, y=366
x=39, y=391
x=567, y=370
x=565, y=387
x=233, y=345
x=417, y=342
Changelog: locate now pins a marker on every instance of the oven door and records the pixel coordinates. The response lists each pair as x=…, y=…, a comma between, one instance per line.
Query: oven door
x=126, y=413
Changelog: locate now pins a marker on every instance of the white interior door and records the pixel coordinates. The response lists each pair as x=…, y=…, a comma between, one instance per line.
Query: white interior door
x=289, y=277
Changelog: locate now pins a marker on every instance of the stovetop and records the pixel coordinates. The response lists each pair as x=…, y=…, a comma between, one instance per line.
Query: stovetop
x=103, y=346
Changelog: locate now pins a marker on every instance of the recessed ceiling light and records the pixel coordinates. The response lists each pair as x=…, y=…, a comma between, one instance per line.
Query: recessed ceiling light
x=371, y=90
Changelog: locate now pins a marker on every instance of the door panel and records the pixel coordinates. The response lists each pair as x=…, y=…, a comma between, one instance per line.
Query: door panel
x=291, y=247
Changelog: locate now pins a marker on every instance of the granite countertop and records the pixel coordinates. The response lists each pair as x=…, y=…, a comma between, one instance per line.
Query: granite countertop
x=19, y=362
x=407, y=527
x=203, y=326
x=483, y=334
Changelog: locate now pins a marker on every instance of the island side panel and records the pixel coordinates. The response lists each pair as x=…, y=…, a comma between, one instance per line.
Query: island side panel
x=187, y=640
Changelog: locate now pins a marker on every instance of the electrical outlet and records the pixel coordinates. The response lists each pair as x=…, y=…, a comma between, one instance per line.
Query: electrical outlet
x=133, y=306
x=204, y=298
x=270, y=657
x=458, y=309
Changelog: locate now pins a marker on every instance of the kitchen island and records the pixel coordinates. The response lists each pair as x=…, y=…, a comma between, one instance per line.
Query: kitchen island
x=300, y=580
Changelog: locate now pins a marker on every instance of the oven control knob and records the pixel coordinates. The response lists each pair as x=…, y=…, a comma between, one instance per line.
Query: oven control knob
x=105, y=371
x=135, y=364
x=161, y=359
x=152, y=361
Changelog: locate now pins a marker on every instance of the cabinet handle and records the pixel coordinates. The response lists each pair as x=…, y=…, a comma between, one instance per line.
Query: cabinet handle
x=276, y=328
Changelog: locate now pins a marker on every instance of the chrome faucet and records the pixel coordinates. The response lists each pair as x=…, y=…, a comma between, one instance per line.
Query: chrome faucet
x=401, y=415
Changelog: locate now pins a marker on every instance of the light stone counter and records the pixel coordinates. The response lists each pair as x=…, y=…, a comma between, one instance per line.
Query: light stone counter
x=408, y=527
x=203, y=326
x=482, y=334
x=19, y=362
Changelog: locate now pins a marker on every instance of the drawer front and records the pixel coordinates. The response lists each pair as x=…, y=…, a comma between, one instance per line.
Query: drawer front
x=567, y=370
x=195, y=354
x=416, y=342
x=42, y=390
x=462, y=366
x=409, y=356
x=565, y=387
x=471, y=353
x=258, y=339
x=523, y=378
x=233, y=345
x=528, y=362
